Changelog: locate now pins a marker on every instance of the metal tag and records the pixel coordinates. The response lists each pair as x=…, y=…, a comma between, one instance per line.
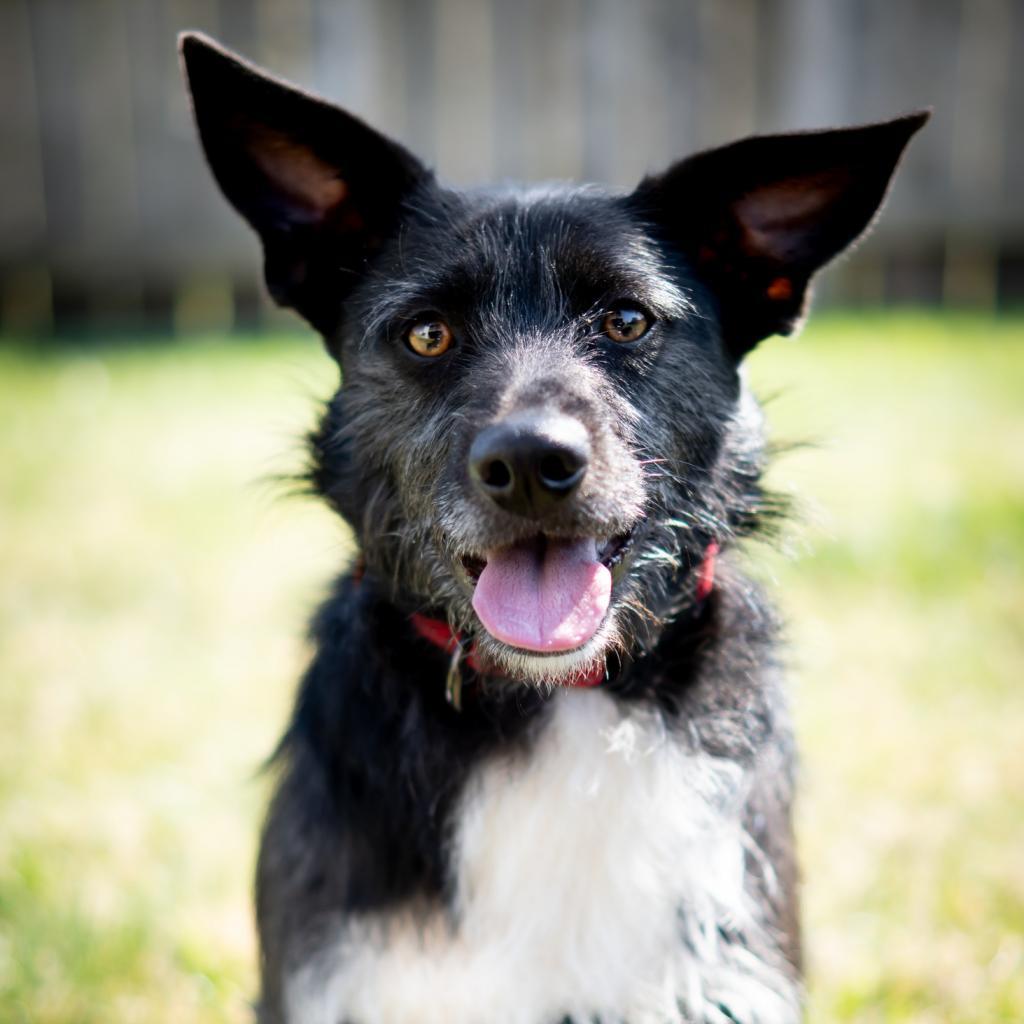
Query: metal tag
x=453, y=682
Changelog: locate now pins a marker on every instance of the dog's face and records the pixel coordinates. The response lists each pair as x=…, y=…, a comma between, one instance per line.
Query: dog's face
x=529, y=389
x=541, y=425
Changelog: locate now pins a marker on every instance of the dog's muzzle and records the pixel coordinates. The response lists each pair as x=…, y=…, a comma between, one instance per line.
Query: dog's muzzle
x=548, y=593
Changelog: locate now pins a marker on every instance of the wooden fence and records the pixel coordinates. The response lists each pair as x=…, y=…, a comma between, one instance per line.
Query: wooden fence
x=107, y=213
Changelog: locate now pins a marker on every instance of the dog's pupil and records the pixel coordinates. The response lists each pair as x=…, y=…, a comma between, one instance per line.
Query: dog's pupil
x=431, y=337
x=626, y=324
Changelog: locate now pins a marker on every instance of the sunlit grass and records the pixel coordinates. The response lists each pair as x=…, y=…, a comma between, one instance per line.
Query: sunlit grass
x=156, y=581
x=907, y=626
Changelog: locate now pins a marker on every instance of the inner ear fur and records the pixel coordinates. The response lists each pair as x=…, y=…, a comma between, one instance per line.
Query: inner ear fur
x=322, y=189
x=757, y=218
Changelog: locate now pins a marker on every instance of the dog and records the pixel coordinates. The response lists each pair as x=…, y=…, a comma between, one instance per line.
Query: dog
x=540, y=768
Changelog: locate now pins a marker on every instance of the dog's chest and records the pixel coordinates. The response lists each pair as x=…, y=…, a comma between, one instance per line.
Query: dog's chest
x=591, y=877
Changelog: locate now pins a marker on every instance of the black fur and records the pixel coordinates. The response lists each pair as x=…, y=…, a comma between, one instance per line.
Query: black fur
x=363, y=242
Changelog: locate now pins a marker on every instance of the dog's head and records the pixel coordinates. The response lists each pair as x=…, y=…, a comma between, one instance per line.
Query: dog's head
x=541, y=426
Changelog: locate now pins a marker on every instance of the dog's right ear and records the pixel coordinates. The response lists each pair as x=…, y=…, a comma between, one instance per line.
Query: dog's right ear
x=322, y=189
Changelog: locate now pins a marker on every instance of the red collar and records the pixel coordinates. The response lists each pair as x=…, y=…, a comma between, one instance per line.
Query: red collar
x=706, y=574
x=441, y=635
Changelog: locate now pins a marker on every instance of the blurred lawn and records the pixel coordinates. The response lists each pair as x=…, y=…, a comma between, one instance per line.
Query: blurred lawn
x=156, y=583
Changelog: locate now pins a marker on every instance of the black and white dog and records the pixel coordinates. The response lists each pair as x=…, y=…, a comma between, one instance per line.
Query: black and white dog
x=540, y=769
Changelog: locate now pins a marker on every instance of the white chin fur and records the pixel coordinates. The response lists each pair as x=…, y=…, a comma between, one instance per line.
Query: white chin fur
x=550, y=669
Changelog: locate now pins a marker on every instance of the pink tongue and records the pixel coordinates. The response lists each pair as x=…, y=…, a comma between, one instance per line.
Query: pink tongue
x=553, y=601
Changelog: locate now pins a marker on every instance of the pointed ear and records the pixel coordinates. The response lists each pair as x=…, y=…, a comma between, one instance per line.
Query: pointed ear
x=757, y=218
x=322, y=189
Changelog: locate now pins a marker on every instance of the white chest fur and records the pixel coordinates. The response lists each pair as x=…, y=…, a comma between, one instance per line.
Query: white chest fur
x=591, y=876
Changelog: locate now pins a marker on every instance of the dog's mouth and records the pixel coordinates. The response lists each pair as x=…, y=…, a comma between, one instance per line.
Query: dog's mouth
x=546, y=594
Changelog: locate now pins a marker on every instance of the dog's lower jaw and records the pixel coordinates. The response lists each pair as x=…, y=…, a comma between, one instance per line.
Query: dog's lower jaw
x=566, y=668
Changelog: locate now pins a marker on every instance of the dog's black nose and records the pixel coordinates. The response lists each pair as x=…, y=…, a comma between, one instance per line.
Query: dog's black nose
x=530, y=461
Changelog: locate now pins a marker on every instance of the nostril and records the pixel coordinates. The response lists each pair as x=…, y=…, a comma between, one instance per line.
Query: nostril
x=555, y=468
x=495, y=475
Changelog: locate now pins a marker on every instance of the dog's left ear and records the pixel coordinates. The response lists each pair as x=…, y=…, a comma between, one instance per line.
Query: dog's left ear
x=322, y=189
x=757, y=218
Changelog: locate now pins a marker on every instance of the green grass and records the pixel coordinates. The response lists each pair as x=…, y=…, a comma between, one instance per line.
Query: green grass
x=907, y=610
x=156, y=579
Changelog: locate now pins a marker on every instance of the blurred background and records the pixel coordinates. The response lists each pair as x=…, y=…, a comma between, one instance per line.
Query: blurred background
x=157, y=575
x=108, y=215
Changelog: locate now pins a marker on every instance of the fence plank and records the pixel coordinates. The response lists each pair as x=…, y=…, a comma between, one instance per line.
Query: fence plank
x=104, y=183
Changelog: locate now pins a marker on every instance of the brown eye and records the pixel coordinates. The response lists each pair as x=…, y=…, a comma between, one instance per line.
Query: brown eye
x=430, y=338
x=625, y=325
